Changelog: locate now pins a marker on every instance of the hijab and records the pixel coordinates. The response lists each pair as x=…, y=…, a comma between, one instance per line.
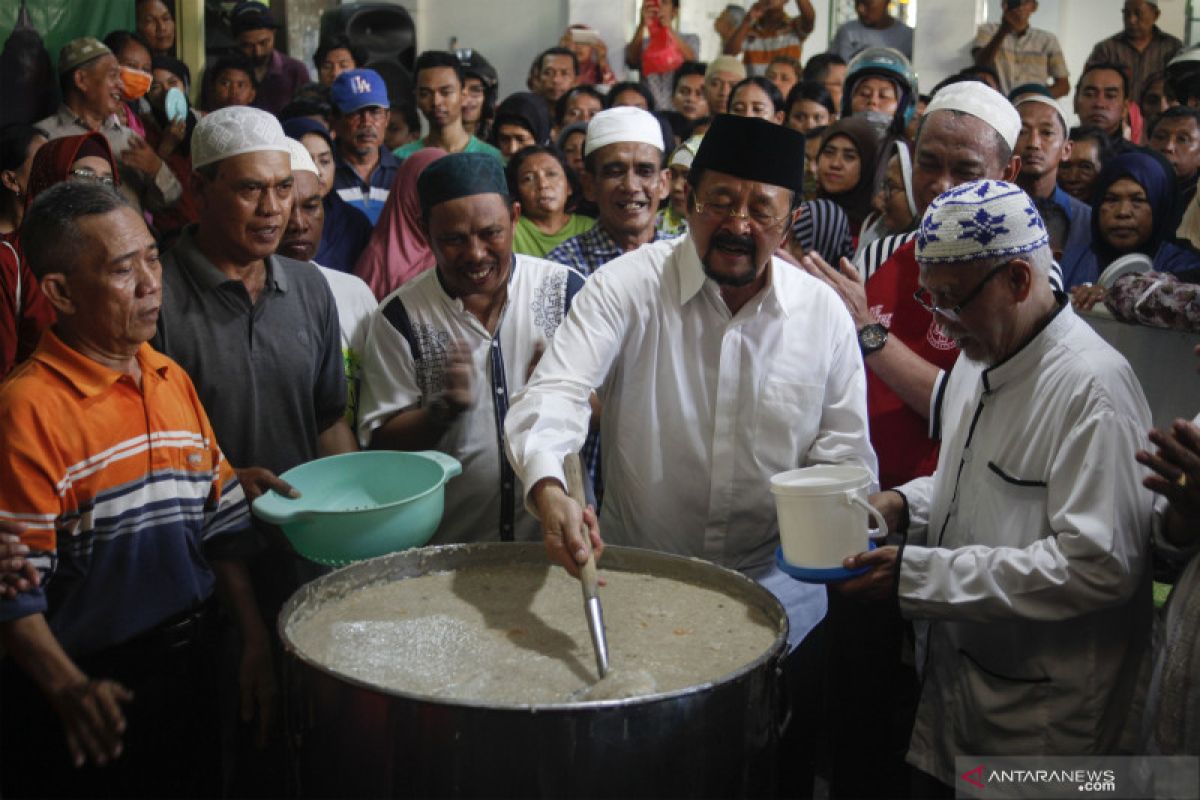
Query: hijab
x=865, y=137
x=53, y=161
x=398, y=250
x=1157, y=178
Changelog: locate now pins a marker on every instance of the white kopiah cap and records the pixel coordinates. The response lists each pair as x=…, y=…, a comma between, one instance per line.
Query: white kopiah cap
x=301, y=159
x=980, y=100
x=622, y=124
x=234, y=130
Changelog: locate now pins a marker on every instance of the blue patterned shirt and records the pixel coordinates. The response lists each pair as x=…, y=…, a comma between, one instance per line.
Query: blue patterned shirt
x=592, y=249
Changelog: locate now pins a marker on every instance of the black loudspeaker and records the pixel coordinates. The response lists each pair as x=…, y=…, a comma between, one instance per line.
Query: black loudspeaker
x=387, y=34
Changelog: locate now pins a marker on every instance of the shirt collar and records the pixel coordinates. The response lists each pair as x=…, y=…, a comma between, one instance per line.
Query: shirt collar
x=1063, y=200
x=1155, y=34
x=1026, y=359
x=437, y=271
x=599, y=241
x=91, y=378
x=692, y=278
x=386, y=161
x=207, y=275
x=67, y=116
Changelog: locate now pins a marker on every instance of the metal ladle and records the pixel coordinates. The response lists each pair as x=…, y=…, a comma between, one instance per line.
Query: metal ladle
x=573, y=469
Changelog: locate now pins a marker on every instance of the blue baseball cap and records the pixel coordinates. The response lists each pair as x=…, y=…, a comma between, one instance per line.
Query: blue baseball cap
x=358, y=88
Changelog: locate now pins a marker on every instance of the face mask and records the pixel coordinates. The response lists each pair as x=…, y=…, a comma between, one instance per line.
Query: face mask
x=175, y=105
x=134, y=83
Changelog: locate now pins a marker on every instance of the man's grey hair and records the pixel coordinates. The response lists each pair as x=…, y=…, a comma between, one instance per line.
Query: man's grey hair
x=1000, y=149
x=50, y=235
x=1041, y=259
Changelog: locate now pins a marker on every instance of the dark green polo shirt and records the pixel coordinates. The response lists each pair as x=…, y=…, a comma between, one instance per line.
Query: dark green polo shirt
x=269, y=373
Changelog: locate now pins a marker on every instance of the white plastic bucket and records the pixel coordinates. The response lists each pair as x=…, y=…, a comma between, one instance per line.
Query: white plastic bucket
x=823, y=512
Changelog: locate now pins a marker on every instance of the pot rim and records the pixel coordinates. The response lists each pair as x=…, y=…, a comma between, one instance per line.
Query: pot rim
x=766, y=602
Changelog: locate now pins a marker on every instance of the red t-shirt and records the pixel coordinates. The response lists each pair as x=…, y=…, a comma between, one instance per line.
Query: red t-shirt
x=900, y=435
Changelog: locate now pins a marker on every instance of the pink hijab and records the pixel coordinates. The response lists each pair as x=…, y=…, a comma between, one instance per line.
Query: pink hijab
x=398, y=251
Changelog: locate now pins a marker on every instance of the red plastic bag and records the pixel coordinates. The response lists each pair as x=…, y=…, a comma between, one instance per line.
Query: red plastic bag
x=661, y=54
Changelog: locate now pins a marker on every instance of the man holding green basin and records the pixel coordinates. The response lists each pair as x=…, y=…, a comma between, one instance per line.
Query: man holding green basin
x=445, y=351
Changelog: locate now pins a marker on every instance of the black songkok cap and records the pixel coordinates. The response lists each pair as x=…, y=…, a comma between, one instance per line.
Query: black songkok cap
x=460, y=175
x=754, y=150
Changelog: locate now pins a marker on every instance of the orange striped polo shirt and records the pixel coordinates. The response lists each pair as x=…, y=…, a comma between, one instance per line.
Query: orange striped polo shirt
x=118, y=486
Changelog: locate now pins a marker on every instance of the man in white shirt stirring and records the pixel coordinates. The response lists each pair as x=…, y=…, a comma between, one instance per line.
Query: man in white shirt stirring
x=717, y=365
x=1025, y=566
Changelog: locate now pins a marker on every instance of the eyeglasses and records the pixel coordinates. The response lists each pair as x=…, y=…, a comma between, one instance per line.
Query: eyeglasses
x=927, y=300
x=90, y=176
x=722, y=211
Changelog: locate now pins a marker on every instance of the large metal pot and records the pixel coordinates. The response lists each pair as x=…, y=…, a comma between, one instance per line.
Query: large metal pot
x=350, y=739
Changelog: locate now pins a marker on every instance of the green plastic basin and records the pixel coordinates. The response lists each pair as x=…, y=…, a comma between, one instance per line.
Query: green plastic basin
x=361, y=505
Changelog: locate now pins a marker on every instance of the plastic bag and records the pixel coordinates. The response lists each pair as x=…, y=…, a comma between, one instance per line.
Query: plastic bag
x=662, y=54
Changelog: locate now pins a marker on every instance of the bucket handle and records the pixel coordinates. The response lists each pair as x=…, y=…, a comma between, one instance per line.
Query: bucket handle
x=450, y=465
x=873, y=513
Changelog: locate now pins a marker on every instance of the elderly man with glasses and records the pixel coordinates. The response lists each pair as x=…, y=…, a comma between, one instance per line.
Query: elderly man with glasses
x=1025, y=563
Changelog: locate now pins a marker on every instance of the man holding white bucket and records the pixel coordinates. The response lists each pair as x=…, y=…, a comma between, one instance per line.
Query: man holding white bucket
x=1025, y=565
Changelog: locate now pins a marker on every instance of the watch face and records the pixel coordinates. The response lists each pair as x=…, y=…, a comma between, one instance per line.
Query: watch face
x=872, y=337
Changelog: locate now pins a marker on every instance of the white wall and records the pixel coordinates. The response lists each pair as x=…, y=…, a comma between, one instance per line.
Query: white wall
x=509, y=33
x=1080, y=24
x=946, y=29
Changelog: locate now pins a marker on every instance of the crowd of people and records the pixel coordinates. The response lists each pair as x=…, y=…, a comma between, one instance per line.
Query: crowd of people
x=698, y=279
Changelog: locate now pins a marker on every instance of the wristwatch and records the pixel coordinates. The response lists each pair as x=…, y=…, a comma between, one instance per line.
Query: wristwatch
x=872, y=338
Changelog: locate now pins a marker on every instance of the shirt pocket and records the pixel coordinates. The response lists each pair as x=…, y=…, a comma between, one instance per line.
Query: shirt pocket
x=787, y=418
x=993, y=706
x=1016, y=501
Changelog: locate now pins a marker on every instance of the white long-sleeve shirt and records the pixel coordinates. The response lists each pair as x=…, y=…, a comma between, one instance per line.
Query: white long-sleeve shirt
x=1027, y=554
x=701, y=406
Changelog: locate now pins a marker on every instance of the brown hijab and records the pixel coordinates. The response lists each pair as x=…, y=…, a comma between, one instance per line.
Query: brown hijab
x=53, y=161
x=866, y=140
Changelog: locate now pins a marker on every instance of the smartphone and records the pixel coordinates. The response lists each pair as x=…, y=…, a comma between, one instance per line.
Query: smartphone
x=584, y=36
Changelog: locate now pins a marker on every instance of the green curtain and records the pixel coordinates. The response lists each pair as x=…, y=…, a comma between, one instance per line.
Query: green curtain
x=60, y=21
